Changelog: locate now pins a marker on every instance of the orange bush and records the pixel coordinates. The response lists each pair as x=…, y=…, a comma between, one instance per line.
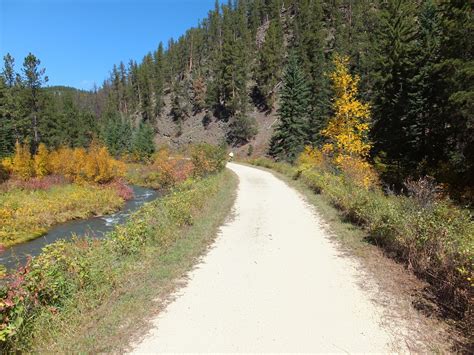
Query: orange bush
x=171, y=169
x=78, y=164
x=358, y=171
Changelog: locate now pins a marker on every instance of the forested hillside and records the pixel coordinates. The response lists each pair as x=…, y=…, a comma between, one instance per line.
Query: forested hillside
x=223, y=80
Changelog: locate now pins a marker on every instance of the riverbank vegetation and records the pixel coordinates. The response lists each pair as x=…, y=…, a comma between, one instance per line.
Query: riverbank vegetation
x=82, y=274
x=421, y=227
x=168, y=168
x=51, y=187
x=27, y=214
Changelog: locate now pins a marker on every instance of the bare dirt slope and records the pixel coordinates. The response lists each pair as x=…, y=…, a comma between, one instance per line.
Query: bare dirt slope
x=194, y=131
x=273, y=282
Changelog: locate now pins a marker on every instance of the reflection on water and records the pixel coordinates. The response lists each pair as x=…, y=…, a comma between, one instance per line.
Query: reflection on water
x=95, y=227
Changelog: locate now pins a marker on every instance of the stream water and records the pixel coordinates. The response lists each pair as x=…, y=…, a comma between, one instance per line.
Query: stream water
x=95, y=227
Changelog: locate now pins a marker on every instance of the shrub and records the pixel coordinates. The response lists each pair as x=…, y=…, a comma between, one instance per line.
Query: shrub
x=358, y=172
x=310, y=158
x=41, y=161
x=122, y=189
x=81, y=165
x=22, y=165
x=208, y=159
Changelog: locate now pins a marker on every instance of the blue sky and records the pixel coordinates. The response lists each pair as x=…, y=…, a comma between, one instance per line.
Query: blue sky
x=78, y=41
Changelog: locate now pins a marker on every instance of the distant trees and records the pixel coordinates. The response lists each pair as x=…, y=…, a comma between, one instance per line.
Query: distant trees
x=414, y=61
x=270, y=61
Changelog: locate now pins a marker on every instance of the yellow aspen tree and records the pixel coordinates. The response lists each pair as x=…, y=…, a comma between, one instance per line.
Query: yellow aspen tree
x=347, y=130
x=41, y=161
x=22, y=164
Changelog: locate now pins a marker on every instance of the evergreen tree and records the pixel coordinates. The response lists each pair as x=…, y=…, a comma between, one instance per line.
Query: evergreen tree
x=454, y=85
x=179, y=109
x=289, y=137
x=143, y=145
x=242, y=129
x=117, y=134
x=8, y=106
x=6, y=129
x=145, y=76
x=310, y=44
x=34, y=78
x=396, y=42
x=8, y=73
x=233, y=67
x=159, y=78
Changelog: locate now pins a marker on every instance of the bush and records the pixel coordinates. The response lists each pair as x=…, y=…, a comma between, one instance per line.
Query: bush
x=41, y=161
x=208, y=159
x=80, y=165
x=358, y=172
x=22, y=165
x=171, y=169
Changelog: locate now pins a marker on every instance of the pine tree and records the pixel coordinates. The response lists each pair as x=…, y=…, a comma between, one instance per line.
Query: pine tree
x=242, y=129
x=422, y=114
x=6, y=127
x=117, y=134
x=159, y=78
x=179, y=109
x=34, y=78
x=289, y=137
x=454, y=85
x=310, y=43
x=145, y=76
x=233, y=67
x=395, y=45
x=143, y=145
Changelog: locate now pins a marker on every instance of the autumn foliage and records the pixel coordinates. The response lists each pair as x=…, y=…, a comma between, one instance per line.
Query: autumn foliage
x=94, y=164
x=172, y=169
x=347, y=130
x=347, y=145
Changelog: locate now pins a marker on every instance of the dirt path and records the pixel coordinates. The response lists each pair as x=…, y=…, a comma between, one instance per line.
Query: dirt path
x=273, y=282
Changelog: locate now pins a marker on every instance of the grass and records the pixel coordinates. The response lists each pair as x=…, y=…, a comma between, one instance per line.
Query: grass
x=112, y=287
x=27, y=214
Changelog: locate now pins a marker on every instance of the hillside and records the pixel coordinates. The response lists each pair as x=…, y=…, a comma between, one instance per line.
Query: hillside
x=198, y=128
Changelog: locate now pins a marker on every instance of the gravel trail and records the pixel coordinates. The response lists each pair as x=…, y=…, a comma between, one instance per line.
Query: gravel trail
x=272, y=282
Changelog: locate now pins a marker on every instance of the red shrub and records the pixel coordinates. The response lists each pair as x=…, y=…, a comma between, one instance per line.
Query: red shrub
x=122, y=189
